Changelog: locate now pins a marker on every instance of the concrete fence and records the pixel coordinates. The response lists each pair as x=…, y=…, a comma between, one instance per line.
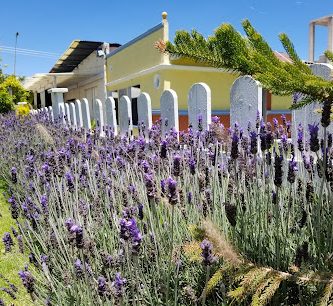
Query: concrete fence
x=246, y=102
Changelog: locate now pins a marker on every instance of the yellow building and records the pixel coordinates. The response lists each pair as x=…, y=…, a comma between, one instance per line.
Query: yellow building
x=138, y=67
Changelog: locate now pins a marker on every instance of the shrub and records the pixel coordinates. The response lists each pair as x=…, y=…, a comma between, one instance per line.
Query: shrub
x=18, y=91
x=22, y=110
x=6, y=102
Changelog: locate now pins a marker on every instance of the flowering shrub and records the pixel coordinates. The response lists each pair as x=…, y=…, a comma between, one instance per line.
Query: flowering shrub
x=215, y=216
x=22, y=110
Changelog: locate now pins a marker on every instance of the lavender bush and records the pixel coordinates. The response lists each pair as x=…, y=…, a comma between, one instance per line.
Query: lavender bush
x=119, y=221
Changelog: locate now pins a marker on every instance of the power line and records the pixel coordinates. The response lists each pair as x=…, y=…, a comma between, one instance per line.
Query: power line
x=29, y=51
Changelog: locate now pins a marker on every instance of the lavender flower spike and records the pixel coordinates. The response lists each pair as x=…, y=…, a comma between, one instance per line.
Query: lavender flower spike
x=314, y=142
x=8, y=242
x=118, y=285
x=27, y=280
x=207, y=256
x=173, y=194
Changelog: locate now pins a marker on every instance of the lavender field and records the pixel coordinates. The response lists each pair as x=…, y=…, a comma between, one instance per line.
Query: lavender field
x=217, y=217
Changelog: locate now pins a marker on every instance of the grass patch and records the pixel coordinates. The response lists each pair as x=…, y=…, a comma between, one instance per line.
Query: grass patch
x=11, y=263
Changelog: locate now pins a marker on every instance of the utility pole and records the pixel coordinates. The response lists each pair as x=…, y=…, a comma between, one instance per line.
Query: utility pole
x=17, y=34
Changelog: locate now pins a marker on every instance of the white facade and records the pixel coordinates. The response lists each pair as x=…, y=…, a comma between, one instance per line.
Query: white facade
x=86, y=80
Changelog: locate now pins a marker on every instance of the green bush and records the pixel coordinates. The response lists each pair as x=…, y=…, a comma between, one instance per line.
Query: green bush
x=6, y=102
x=18, y=92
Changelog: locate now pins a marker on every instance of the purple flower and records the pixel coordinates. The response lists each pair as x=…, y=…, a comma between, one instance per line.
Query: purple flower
x=140, y=211
x=300, y=136
x=234, y=146
x=297, y=96
x=176, y=165
x=14, y=175
x=253, y=142
x=27, y=280
x=326, y=114
x=44, y=260
x=9, y=292
x=292, y=168
x=33, y=259
x=189, y=197
x=150, y=186
x=69, y=223
x=78, y=268
x=172, y=188
x=192, y=166
x=14, y=231
x=258, y=120
x=206, y=254
x=118, y=285
x=275, y=123
x=200, y=119
x=43, y=202
x=314, y=142
x=284, y=120
x=130, y=231
x=124, y=234
x=278, y=170
x=70, y=181
x=145, y=166
x=14, y=208
x=164, y=149
x=20, y=243
x=136, y=236
x=75, y=231
x=78, y=231
x=216, y=119
x=7, y=241
x=102, y=285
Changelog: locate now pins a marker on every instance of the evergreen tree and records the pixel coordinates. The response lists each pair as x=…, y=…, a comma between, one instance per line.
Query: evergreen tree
x=251, y=55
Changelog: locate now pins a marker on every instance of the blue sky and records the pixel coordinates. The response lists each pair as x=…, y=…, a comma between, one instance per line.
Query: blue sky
x=50, y=25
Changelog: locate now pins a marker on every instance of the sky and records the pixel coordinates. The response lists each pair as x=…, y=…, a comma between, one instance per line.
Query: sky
x=49, y=26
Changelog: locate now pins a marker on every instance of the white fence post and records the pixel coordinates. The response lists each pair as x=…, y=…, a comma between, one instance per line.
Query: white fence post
x=73, y=114
x=199, y=107
x=308, y=114
x=62, y=112
x=99, y=116
x=78, y=112
x=50, y=111
x=169, y=111
x=85, y=114
x=245, y=101
x=145, y=120
x=111, y=118
x=125, y=116
x=68, y=114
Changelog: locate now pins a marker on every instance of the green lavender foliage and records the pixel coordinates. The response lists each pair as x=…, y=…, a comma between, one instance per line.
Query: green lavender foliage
x=252, y=55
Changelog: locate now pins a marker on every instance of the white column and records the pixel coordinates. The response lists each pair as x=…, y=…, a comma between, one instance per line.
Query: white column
x=35, y=99
x=312, y=33
x=57, y=96
x=42, y=99
x=330, y=35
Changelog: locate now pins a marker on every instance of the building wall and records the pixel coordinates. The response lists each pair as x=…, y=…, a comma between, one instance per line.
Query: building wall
x=281, y=102
x=137, y=56
x=90, y=65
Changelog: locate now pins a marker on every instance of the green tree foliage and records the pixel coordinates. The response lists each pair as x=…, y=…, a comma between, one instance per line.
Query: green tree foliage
x=6, y=102
x=11, y=91
x=13, y=85
x=251, y=55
